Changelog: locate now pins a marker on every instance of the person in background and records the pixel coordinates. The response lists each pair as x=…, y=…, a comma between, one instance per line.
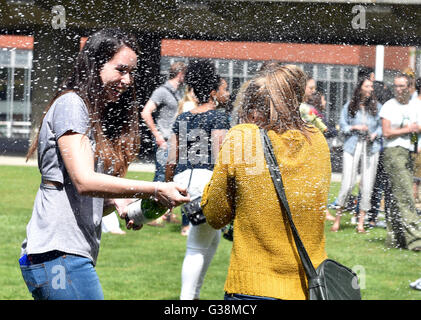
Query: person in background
x=311, y=114
x=187, y=103
x=164, y=101
x=264, y=263
x=416, y=285
x=223, y=97
x=381, y=188
x=412, y=87
x=195, y=142
x=403, y=225
x=111, y=224
x=416, y=105
x=311, y=111
x=88, y=136
x=360, y=123
x=310, y=88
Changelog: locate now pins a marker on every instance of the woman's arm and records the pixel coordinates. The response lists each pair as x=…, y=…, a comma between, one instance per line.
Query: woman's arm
x=343, y=120
x=78, y=159
x=218, y=195
x=146, y=115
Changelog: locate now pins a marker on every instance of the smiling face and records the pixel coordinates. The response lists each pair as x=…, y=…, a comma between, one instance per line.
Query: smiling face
x=117, y=74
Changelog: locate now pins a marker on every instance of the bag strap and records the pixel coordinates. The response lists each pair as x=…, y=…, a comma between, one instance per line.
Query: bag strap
x=277, y=181
x=170, y=91
x=191, y=173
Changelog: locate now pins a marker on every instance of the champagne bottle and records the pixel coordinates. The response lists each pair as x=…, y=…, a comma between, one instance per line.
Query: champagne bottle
x=414, y=141
x=143, y=211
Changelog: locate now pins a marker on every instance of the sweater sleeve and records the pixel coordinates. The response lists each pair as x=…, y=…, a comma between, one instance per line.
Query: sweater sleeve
x=218, y=195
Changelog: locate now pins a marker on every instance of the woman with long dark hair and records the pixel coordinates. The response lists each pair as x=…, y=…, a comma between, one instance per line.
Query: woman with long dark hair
x=361, y=125
x=87, y=138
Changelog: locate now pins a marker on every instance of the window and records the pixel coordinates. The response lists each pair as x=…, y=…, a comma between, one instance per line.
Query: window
x=15, y=97
x=336, y=82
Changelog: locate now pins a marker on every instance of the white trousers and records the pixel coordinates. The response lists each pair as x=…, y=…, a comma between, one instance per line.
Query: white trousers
x=202, y=240
x=349, y=175
x=110, y=223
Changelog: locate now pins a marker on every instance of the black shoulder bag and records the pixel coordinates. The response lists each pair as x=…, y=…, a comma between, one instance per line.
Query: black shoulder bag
x=192, y=209
x=331, y=280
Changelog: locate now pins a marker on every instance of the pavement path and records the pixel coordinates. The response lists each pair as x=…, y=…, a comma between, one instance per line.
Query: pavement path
x=136, y=166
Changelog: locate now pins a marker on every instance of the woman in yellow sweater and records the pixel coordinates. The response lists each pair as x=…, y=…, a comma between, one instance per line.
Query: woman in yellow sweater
x=264, y=260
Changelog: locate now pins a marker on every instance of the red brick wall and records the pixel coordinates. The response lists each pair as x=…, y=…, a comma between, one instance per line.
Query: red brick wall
x=395, y=57
x=18, y=42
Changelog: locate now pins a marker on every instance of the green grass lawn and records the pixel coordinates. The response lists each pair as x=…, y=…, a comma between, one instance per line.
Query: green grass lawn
x=146, y=264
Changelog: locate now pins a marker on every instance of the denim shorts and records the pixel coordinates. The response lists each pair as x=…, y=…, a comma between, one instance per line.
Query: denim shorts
x=67, y=277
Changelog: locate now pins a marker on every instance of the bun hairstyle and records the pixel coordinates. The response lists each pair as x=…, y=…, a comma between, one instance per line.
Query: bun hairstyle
x=272, y=100
x=202, y=77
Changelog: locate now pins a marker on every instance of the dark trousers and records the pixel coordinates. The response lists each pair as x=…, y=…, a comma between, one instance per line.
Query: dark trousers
x=381, y=188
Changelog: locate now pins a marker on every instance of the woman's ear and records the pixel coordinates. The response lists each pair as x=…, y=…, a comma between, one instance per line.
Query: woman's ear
x=213, y=97
x=213, y=94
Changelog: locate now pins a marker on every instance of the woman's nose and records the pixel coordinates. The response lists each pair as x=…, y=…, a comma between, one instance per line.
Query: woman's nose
x=127, y=79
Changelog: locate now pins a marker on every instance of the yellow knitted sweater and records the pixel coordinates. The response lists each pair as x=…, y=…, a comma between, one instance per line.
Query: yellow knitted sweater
x=264, y=260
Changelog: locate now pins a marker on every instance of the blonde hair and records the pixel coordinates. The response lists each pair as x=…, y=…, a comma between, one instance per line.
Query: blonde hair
x=187, y=98
x=272, y=100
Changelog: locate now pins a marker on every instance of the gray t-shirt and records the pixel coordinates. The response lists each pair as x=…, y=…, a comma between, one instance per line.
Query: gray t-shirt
x=62, y=219
x=166, y=99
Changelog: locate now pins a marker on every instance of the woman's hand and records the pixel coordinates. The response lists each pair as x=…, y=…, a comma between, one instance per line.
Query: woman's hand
x=373, y=136
x=360, y=127
x=121, y=207
x=161, y=142
x=170, y=194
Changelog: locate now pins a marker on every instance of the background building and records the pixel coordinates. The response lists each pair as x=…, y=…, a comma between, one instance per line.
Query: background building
x=334, y=67
x=39, y=40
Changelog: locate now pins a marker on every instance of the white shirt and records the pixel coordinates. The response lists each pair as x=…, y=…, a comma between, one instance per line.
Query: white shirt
x=399, y=115
x=415, y=105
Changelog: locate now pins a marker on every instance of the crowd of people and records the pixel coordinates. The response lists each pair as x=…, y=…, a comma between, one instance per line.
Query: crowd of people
x=205, y=149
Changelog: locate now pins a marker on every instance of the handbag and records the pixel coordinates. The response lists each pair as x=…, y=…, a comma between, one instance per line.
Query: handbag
x=193, y=210
x=331, y=280
x=228, y=232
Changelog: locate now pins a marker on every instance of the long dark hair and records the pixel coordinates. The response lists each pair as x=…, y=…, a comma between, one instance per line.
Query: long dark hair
x=370, y=103
x=115, y=125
